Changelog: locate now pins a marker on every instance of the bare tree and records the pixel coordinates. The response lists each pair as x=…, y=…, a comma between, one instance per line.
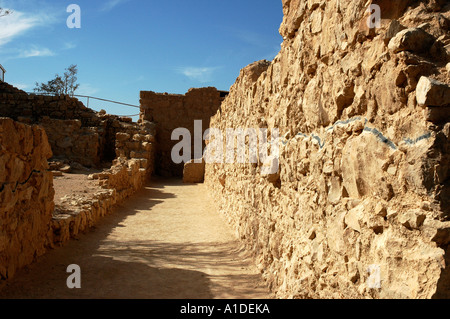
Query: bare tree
x=65, y=84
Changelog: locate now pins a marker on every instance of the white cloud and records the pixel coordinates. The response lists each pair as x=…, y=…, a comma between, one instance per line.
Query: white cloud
x=201, y=74
x=16, y=24
x=86, y=89
x=111, y=4
x=36, y=52
x=69, y=46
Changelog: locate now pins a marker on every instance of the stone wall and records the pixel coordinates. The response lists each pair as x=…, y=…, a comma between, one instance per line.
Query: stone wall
x=122, y=180
x=61, y=128
x=75, y=132
x=17, y=104
x=363, y=182
x=137, y=142
x=171, y=111
x=129, y=172
x=70, y=140
x=26, y=195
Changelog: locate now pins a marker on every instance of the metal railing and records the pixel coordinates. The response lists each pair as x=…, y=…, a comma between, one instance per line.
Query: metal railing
x=91, y=97
x=97, y=98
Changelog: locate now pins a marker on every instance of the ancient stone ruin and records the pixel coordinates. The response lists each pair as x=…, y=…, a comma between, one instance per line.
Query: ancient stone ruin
x=358, y=204
x=363, y=179
x=172, y=111
x=42, y=139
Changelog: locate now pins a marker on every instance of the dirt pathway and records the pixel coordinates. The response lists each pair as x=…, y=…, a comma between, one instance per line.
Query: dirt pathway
x=168, y=242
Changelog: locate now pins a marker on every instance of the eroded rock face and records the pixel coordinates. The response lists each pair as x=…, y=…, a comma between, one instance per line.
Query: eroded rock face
x=361, y=209
x=432, y=93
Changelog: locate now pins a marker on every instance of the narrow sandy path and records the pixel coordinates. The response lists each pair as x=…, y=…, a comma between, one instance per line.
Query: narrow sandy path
x=167, y=242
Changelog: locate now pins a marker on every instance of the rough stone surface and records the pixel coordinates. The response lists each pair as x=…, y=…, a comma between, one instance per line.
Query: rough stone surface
x=194, y=171
x=26, y=195
x=364, y=175
x=430, y=92
x=414, y=39
x=70, y=140
x=172, y=111
x=77, y=138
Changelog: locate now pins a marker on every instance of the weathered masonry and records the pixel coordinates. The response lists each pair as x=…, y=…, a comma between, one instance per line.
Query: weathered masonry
x=39, y=137
x=172, y=111
x=362, y=205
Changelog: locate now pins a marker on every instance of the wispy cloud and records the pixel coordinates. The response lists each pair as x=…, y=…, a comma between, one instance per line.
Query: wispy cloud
x=86, y=89
x=15, y=25
x=20, y=22
x=36, y=52
x=251, y=38
x=111, y=4
x=201, y=74
x=69, y=46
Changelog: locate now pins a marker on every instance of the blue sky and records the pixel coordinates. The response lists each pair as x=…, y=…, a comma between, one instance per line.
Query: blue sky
x=125, y=46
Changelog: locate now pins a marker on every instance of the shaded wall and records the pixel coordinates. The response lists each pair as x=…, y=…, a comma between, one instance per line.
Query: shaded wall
x=75, y=132
x=364, y=167
x=171, y=111
x=26, y=195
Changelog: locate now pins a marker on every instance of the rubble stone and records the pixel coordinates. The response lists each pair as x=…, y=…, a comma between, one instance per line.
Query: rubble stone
x=431, y=92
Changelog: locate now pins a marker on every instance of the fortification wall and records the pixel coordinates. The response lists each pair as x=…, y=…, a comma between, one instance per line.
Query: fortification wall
x=75, y=132
x=169, y=112
x=359, y=207
x=26, y=195
x=68, y=139
x=62, y=128
x=122, y=180
x=19, y=105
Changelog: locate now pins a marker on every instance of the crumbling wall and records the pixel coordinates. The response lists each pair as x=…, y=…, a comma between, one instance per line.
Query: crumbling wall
x=171, y=111
x=19, y=105
x=75, y=132
x=122, y=180
x=26, y=195
x=70, y=140
x=77, y=135
x=137, y=142
x=359, y=207
x=129, y=172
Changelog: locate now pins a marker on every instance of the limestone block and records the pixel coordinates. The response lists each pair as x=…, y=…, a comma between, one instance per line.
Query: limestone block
x=194, y=172
x=393, y=29
x=413, y=39
x=412, y=219
x=431, y=92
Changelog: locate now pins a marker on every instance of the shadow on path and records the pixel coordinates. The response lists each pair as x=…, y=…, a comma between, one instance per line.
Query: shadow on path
x=132, y=254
